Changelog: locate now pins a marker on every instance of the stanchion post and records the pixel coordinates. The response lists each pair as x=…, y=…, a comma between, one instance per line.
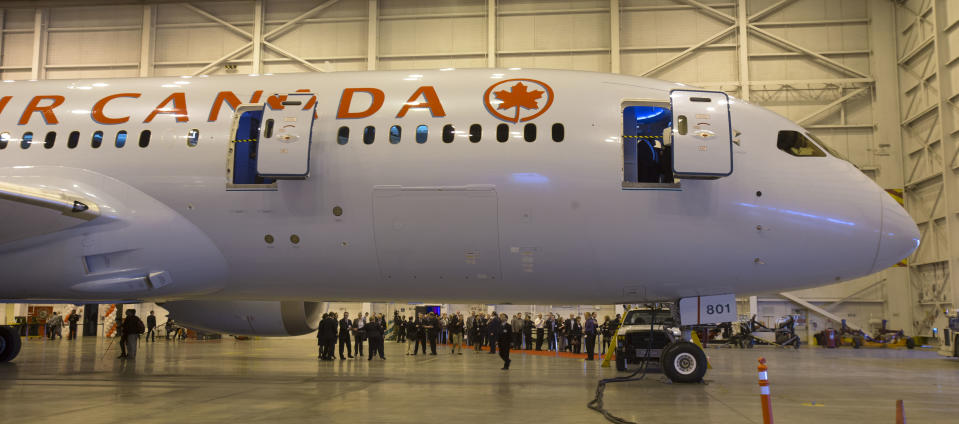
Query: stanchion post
x=900, y=413
x=767, y=404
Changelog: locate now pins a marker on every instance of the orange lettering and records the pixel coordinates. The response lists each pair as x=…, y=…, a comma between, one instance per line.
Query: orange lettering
x=178, y=110
x=97, y=112
x=4, y=101
x=276, y=101
x=46, y=111
x=343, y=112
x=432, y=103
x=231, y=100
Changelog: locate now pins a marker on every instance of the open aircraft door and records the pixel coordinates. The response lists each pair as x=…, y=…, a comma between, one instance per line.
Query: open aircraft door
x=285, y=136
x=701, y=134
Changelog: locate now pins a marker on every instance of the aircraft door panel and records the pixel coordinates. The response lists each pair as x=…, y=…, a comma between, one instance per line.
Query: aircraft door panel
x=701, y=134
x=285, y=137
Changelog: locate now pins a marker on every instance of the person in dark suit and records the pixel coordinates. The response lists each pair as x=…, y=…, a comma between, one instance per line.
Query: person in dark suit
x=493, y=329
x=576, y=335
x=550, y=332
x=374, y=333
x=420, y=334
x=591, y=329
x=434, y=331
x=151, y=326
x=476, y=332
x=73, y=319
x=345, y=326
x=320, y=340
x=456, y=333
x=410, y=330
x=399, y=326
x=528, y=332
x=505, y=338
x=327, y=336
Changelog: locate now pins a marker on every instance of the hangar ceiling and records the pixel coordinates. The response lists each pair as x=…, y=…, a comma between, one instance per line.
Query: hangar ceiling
x=830, y=65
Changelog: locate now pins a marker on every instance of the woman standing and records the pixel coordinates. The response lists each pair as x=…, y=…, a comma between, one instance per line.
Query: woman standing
x=505, y=338
x=607, y=335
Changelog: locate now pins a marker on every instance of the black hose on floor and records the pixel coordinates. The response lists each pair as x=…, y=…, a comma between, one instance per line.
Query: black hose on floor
x=597, y=403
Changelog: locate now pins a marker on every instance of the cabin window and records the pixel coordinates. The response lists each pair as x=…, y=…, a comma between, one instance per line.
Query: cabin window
x=4, y=139
x=96, y=140
x=144, y=138
x=343, y=135
x=395, y=132
x=476, y=133
x=369, y=133
x=121, y=139
x=27, y=139
x=796, y=144
x=193, y=137
x=529, y=132
x=73, y=139
x=502, y=133
x=646, y=158
x=50, y=138
x=559, y=133
x=448, y=132
x=422, y=132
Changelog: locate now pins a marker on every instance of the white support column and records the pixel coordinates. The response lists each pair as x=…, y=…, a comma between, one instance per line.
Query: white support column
x=753, y=305
x=948, y=138
x=147, y=40
x=742, y=20
x=371, y=36
x=614, y=51
x=490, y=33
x=257, y=36
x=885, y=104
x=37, y=71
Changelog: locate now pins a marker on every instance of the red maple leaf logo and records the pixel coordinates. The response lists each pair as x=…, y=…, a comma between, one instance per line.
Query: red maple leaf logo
x=518, y=97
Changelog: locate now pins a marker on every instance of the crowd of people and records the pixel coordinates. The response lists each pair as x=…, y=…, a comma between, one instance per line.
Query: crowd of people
x=54, y=325
x=358, y=330
x=424, y=331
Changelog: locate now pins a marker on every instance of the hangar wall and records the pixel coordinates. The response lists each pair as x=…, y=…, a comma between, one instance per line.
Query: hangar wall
x=927, y=52
x=830, y=65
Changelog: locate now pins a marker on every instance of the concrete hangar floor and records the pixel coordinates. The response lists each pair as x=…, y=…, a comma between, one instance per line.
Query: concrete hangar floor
x=280, y=380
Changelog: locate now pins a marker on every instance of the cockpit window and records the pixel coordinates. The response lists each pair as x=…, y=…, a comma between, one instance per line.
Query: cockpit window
x=831, y=151
x=796, y=144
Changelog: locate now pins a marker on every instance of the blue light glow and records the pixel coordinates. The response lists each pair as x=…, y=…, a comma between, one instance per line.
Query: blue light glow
x=802, y=214
x=529, y=178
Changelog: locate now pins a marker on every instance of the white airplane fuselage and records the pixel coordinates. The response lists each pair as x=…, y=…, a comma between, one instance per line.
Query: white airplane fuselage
x=486, y=221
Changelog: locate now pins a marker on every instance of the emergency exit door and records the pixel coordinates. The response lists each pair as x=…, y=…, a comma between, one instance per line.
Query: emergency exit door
x=285, y=137
x=701, y=136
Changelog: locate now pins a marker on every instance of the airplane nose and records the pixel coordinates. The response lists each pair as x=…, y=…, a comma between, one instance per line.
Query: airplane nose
x=899, y=236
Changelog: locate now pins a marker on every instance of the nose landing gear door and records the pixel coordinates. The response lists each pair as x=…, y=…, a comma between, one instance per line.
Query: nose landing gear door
x=701, y=134
x=285, y=136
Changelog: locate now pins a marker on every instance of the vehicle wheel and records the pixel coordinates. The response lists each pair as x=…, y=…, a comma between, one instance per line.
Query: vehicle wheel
x=796, y=343
x=9, y=344
x=910, y=343
x=856, y=342
x=750, y=343
x=684, y=363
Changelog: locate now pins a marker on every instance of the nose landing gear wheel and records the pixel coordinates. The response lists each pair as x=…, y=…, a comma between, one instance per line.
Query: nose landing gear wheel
x=9, y=344
x=684, y=362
